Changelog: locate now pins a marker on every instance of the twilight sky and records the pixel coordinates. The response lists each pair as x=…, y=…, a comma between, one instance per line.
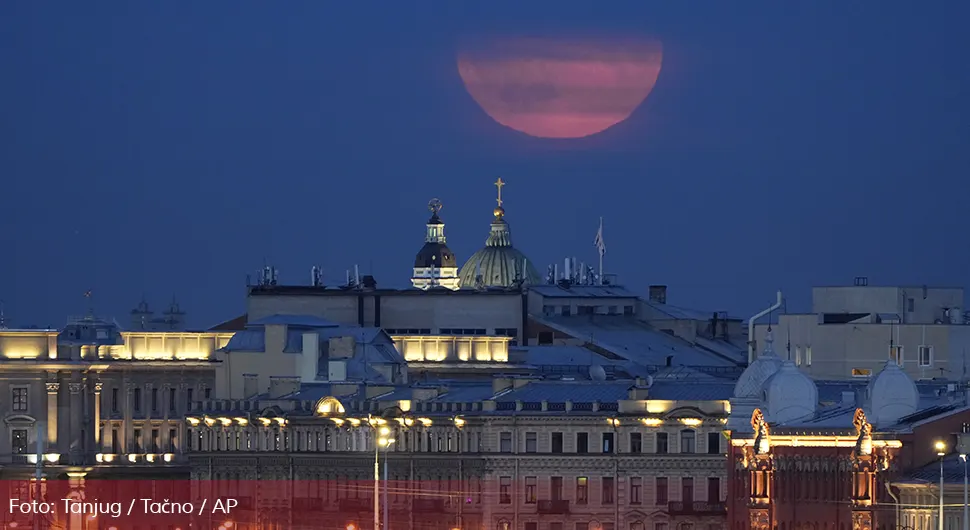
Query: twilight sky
x=164, y=148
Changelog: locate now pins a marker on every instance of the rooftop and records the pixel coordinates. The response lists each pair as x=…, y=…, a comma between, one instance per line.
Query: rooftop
x=582, y=291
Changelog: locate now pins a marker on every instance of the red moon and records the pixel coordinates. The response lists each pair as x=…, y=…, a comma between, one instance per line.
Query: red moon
x=560, y=87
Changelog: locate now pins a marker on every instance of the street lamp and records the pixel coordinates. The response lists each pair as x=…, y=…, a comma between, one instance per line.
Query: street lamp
x=966, y=499
x=459, y=424
x=383, y=440
x=941, y=452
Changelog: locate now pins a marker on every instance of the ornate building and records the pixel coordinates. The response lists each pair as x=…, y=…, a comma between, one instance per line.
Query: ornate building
x=435, y=265
x=819, y=455
x=504, y=454
x=499, y=264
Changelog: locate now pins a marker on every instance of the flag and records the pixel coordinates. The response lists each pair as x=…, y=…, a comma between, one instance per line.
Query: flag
x=598, y=241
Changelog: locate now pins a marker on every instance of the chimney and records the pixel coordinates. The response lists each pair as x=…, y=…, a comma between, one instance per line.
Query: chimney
x=280, y=386
x=658, y=294
x=250, y=385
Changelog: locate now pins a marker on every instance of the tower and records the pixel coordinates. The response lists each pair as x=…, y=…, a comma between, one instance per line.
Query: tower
x=141, y=316
x=174, y=316
x=435, y=264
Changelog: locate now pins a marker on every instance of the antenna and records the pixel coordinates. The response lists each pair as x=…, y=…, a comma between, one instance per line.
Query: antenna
x=566, y=271
x=555, y=273
x=788, y=346
x=550, y=276
x=356, y=275
x=3, y=319
x=347, y=281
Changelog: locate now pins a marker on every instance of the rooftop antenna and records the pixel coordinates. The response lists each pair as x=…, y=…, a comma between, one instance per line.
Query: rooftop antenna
x=316, y=276
x=357, y=276
x=88, y=294
x=600, y=245
x=555, y=273
x=550, y=276
x=276, y=276
x=3, y=319
x=347, y=280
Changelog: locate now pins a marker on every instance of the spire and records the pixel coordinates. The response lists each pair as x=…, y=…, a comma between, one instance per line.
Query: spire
x=499, y=236
x=436, y=228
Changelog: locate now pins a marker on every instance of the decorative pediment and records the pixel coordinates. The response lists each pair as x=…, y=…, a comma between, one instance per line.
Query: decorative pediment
x=271, y=412
x=685, y=412
x=329, y=406
x=19, y=419
x=636, y=514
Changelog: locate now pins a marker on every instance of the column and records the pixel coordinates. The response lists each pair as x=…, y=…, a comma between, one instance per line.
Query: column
x=97, y=414
x=127, y=429
x=53, y=388
x=76, y=440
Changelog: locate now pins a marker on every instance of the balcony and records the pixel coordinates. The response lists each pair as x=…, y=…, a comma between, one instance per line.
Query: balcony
x=429, y=505
x=552, y=506
x=696, y=508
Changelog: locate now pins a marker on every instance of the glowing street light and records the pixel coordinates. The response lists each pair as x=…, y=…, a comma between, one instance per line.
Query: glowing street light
x=940, y=447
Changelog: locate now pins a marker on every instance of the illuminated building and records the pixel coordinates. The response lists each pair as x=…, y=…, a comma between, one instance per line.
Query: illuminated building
x=435, y=265
x=819, y=455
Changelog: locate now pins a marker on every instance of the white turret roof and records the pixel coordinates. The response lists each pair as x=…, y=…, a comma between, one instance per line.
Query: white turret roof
x=892, y=395
x=790, y=395
x=752, y=381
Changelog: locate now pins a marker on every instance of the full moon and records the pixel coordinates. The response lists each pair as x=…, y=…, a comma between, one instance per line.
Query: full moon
x=560, y=87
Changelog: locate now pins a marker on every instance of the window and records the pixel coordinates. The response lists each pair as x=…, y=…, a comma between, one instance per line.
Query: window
x=910, y=305
x=607, y=490
x=530, y=490
x=713, y=490
x=114, y=400
x=171, y=400
x=555, y=487
x=861, y=372
x=189, y=394
x=18, y=441
x=687, y=493
x=628, y=310
x=582, y=442
x=531, y=444
x=661, y=443
x=608, y=442
x=137, y=439
x=136, y=399
x=505, y=442
x=896, y=354
x=505, y=490
x=19, y=398
x=808, y=355
x=636, y=442
x=557, y=442
x=154, y=400
x=926, y=356
x=207, y=393
x=636, y=525
x=636, y=488
x=798, y=355
x=115, y=442
x=156, y=443
x=582, y=490
x=661, y=490
x=173, y=440
x=713, y=443
x=687, y=441
x=544, y=338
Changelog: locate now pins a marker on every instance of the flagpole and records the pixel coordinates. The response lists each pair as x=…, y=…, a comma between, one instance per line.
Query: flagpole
x=600, y=251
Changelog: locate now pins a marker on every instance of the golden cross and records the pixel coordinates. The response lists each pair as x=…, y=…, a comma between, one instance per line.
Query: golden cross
x=499, y=184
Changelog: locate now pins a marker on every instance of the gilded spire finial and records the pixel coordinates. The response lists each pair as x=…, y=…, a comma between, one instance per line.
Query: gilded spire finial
x=498, y=184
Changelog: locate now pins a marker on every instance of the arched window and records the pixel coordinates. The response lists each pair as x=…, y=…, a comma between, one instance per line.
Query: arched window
x=688, y=441
x=503, y=525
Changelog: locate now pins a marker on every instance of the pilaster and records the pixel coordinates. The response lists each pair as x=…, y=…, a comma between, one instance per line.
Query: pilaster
x=53, y=389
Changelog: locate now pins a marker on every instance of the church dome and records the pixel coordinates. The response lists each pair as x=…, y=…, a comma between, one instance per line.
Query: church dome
x=892, y=395
x=435, y=252
x=499, y=264
x=753, y=379
x=790, y=394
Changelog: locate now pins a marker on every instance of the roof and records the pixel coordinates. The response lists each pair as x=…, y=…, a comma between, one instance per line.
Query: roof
x=434, y=254
x=575, y=391
x=635, y=341
x=499, y=263
x=581, y=291
x=310, y=290
x=301, y=321
x=691, y=390
x=953, y=472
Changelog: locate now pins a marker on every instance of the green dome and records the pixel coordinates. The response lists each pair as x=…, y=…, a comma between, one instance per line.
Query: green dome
x=499, y=263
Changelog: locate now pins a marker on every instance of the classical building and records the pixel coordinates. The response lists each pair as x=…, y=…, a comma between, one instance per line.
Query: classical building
x=851, y=330
x=435, y=264
x=820, y=455
x=919, y=489
x=501, y=454
x=100, y=401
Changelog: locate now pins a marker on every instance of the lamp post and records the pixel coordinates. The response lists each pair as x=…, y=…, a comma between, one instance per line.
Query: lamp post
x=941, y=452
x=381, y=441
x=406, y=421
x=459, y=423
x=615, y=423
x=966, y=497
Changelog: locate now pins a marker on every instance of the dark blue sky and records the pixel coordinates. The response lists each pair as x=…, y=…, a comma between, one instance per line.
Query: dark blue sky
x=170, y=147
